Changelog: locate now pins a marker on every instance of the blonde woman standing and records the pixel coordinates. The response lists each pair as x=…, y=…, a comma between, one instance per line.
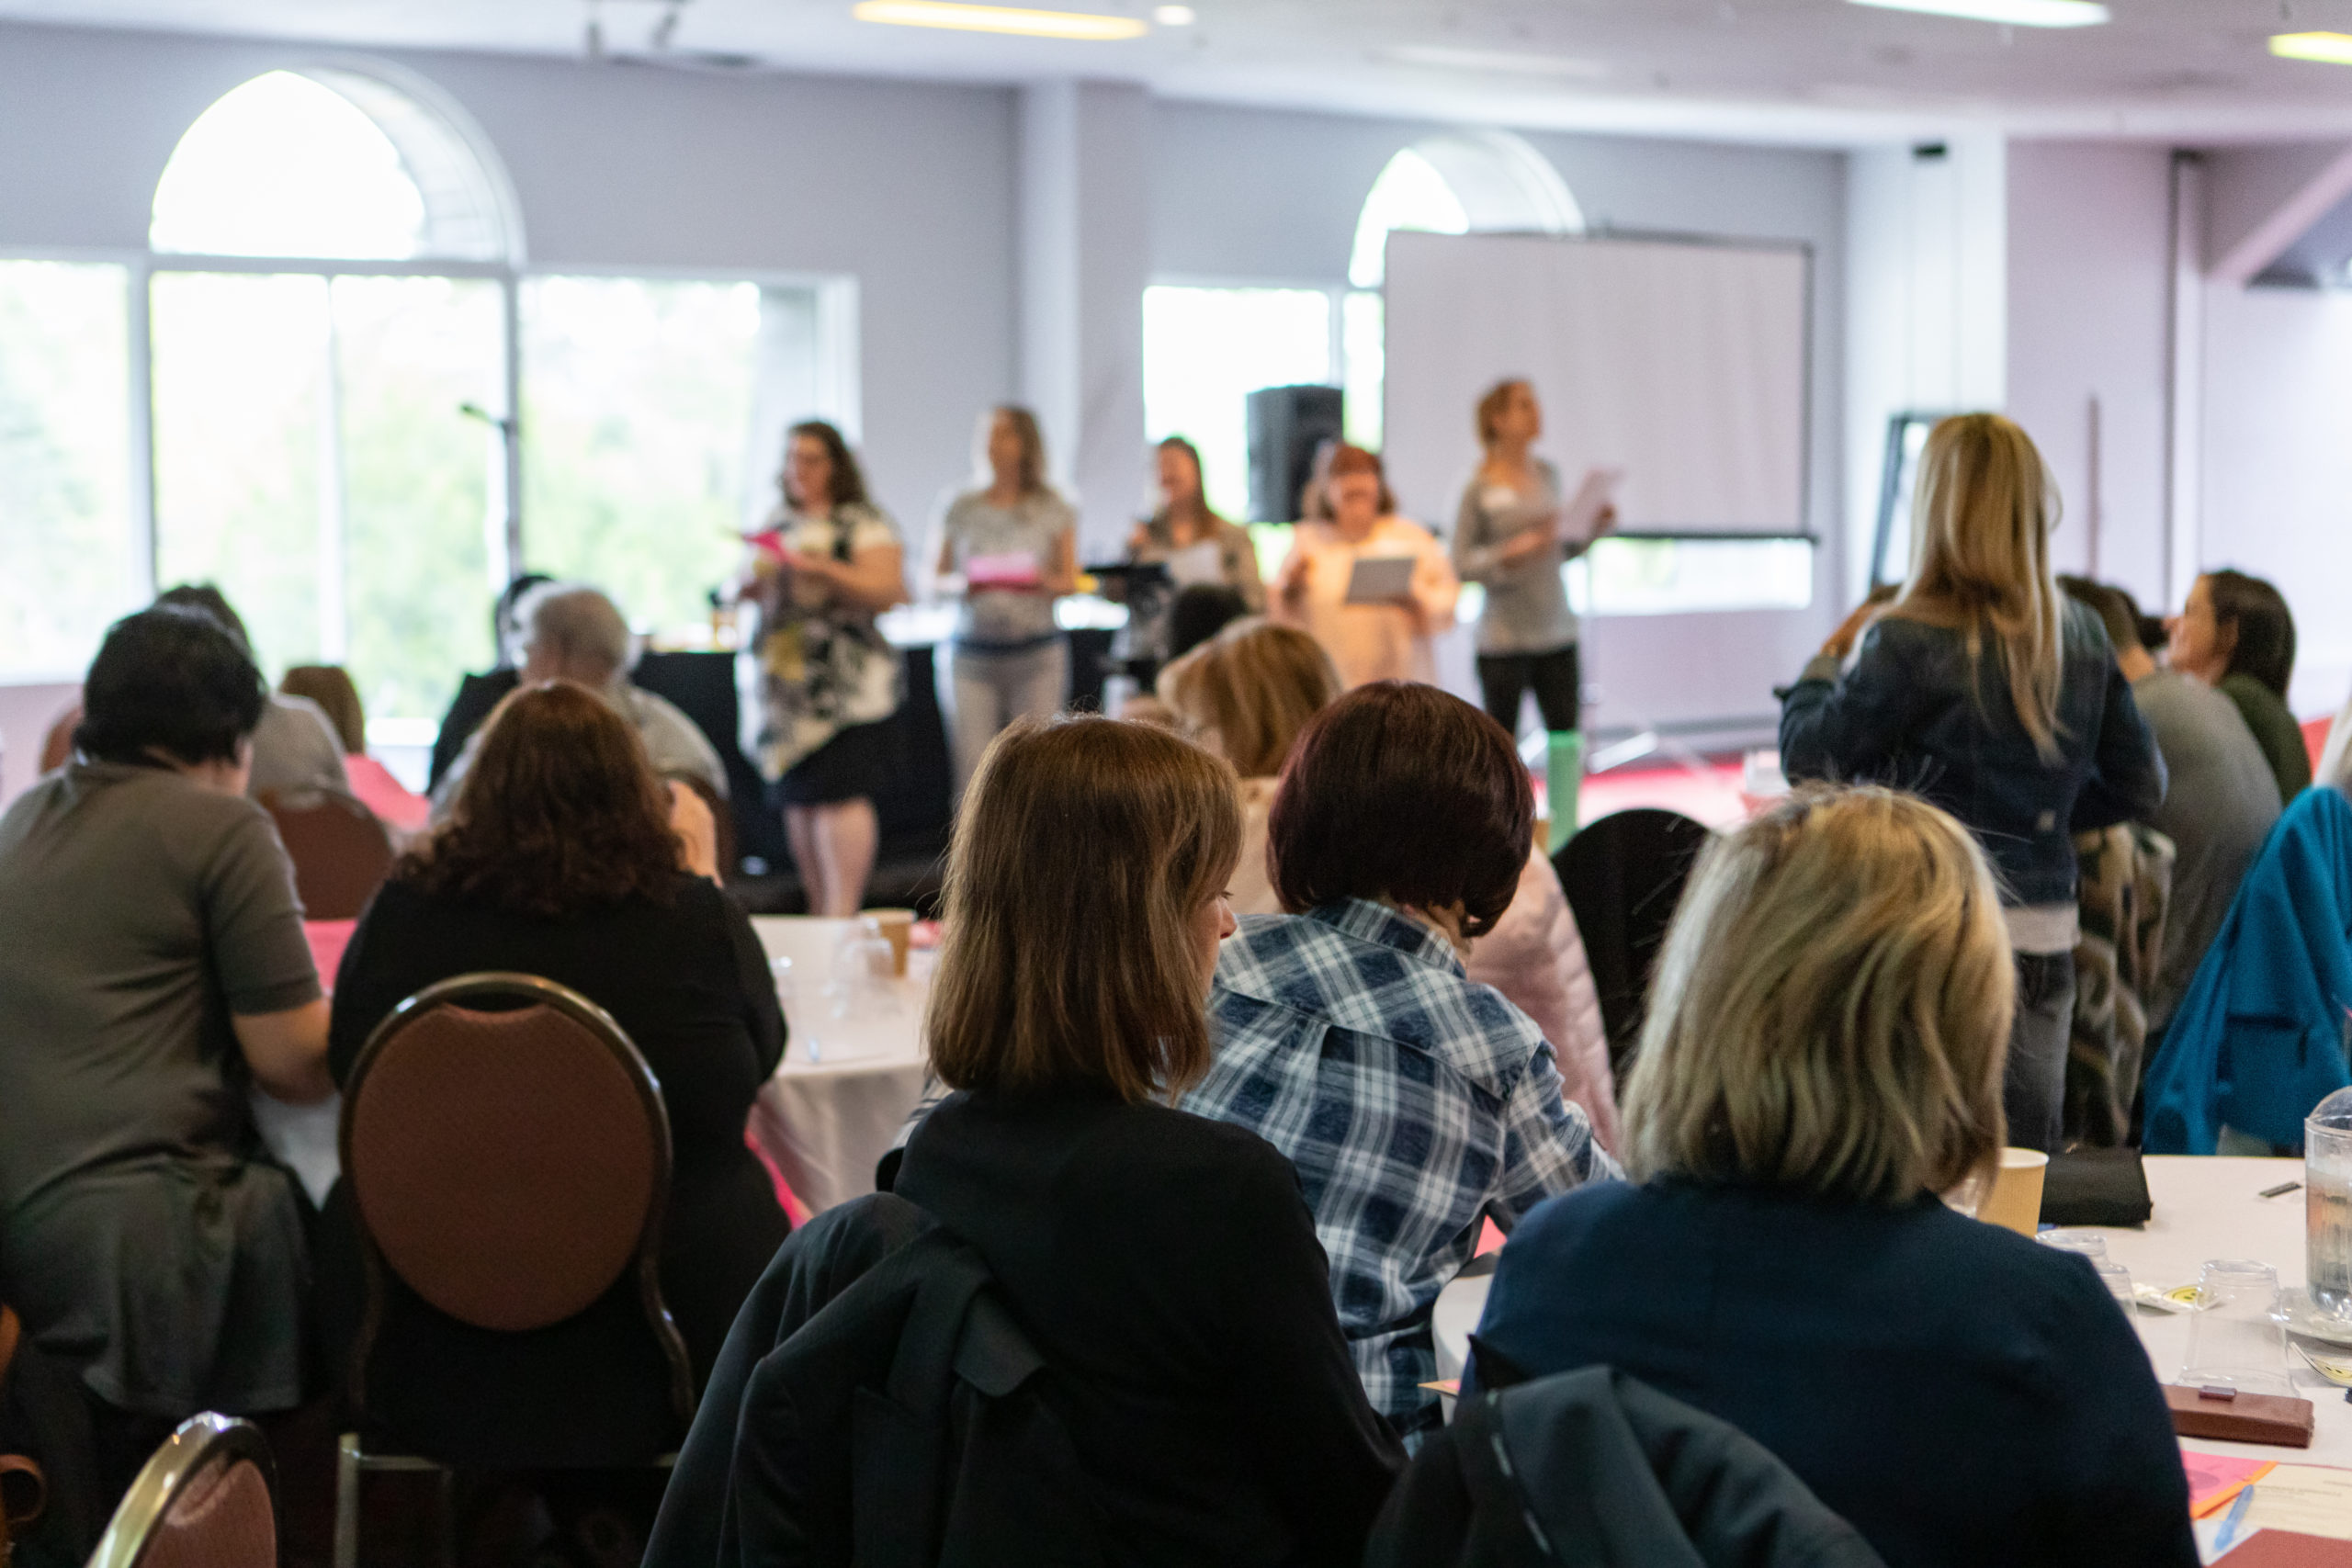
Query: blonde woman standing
x=1986, y=691
x=1011, y=548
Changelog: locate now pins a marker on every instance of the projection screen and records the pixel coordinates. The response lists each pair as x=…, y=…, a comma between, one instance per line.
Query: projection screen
x=1681, y=361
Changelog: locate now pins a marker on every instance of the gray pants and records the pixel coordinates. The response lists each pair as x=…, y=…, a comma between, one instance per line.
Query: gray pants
x=2033, y=1089
x=985, y=691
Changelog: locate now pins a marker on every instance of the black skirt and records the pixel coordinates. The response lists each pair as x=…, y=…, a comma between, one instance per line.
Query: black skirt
x=857, y=762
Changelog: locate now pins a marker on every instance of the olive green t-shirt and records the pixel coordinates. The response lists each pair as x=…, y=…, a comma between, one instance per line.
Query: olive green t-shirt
x=2274, y=730
x=139, y=910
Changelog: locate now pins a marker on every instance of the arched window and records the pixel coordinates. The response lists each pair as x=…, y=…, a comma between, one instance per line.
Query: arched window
x=1460, y=182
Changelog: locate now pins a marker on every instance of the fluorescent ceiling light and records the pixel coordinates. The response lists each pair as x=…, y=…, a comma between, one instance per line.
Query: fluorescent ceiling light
x=2329, y=48
x=1497, y=60
x=2009, y=13
x=1174, y=16
x=1090, y=26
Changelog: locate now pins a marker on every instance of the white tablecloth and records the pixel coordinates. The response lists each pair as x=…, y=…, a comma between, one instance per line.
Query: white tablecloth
x=825, y=1120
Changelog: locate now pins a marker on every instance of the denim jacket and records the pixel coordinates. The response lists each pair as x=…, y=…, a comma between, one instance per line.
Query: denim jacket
x=1909, y=716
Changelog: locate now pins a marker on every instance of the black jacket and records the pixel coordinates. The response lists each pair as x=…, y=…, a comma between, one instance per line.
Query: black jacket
x=1592, y=1467
x=1913, y=713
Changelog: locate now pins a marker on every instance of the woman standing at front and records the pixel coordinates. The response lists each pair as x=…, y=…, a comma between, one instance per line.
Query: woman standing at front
x=1014, y=545
x=1368, y=640
x=1506, y=537
x=1984, y=688
x=827, y=682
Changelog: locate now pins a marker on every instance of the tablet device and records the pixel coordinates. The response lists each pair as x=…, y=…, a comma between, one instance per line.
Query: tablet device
x=1381, y=580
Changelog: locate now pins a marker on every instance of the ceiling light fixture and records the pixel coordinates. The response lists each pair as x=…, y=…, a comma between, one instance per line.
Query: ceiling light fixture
x=1089, y=27
x=2008, y=13
x=1497, y=60
x=1174, y=15
x=2328, y=49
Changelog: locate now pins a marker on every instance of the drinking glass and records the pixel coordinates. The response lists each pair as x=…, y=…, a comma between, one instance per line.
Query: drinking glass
x=2327, y=1203
x=2090, y=1244
x=2115, y=1277
x=2233, y=1341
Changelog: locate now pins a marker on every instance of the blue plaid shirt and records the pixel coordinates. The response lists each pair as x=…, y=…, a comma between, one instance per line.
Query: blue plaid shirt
x=1414, y=1102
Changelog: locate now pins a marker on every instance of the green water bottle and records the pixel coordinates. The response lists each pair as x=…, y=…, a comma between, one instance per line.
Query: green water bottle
x=1563, y=776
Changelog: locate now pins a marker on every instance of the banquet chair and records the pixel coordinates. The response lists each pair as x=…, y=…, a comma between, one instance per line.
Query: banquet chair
x=1623, y=876
x=206, y=1499
x=341, y=852
x=507, y=1155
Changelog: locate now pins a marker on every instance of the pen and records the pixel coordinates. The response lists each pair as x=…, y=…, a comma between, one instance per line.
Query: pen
x=2230, y=1521
x=2278, y=1191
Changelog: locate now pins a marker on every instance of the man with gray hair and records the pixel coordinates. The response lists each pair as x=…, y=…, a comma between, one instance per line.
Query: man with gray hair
x=572, y=632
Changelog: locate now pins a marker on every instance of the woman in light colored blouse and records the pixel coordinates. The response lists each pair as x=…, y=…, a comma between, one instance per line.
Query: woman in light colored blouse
x=1507, y=538
x=1387, y=641
x=1011, y=548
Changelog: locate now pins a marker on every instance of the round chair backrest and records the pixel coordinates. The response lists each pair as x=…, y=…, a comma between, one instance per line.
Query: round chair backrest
x=341, y=852
x=1624, y=877
x=203, y=1501
x=509, y=1165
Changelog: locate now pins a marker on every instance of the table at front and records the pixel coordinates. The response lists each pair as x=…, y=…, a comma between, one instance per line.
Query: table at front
x=2205, y=1208
x=826, y=1120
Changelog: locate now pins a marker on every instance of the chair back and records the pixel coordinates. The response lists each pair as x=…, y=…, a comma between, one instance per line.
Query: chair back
x=341, y=852
x=206, y=1499
x=508, y=1157
x=1623, y=876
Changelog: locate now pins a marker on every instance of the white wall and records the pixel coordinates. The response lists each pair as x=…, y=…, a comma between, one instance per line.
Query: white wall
x=909, y=186
x=2089, y=256
x=2277, y=460
x=1267, y=195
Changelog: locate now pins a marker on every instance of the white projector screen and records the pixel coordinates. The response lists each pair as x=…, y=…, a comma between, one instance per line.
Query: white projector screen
x=1682, y=363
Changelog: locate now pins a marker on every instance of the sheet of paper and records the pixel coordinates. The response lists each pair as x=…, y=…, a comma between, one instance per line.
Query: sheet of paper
x=2214, y=1479
x=1581, y=517
x=1197, y=563
x=2309, y=1499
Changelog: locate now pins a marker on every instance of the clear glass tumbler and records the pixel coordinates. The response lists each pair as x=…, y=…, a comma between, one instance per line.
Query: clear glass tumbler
x=2327, y=1203
x=2233, y=1340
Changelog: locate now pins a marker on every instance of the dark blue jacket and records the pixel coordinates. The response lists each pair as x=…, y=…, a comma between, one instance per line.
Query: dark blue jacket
x=2260, y=1038
x=1911, y=714
x=1961, y=1395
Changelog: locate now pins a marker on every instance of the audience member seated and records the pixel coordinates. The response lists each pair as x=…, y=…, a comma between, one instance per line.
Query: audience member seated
x=2235, y=633
x=1414, y=1101
x=154, y=971
x=1164, y=1265
x=572, y=632
x=1370, y=640
x=1826, y=1056
x=1984, y=689
x=329, y=686
x=478, y=696
x=561, y=859
x=2220, y=798
x=1247, y=695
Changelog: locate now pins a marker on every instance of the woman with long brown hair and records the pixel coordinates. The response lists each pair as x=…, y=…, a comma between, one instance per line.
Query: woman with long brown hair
x=563, y=858
x=1166, y=1266
x=1988, y=691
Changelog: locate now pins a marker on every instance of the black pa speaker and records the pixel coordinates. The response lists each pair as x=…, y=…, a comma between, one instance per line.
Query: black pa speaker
x=1286, y=425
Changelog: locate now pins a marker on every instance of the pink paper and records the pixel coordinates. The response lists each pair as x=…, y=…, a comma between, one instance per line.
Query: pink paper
x=2214, y=1479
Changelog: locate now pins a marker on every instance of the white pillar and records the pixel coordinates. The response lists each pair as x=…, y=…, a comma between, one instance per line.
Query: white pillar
x=1085, y=253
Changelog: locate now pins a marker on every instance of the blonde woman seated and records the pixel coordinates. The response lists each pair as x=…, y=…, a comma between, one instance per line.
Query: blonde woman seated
x=1247, y=693
x=1836, y=993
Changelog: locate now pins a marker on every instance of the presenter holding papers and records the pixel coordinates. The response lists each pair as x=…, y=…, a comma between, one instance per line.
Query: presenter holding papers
x=1372, y=587
x=1513, y=533
x=1010, y=547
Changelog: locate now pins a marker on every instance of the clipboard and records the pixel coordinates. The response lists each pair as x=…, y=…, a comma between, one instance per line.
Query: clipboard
x=1380, y=580
x=1580, y=517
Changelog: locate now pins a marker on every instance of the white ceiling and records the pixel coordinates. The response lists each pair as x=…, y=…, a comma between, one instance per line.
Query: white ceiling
x=1820, y=70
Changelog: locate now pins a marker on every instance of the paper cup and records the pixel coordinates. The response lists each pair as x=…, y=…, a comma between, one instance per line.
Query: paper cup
x=895, y=926
x=2015, y=1202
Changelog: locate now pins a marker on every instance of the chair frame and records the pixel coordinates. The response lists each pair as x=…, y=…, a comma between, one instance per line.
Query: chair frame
x=352, y=1459
x=197, y=1443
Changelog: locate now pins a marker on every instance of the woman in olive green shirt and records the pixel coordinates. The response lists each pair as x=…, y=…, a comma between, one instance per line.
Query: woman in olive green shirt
x=2236, y=634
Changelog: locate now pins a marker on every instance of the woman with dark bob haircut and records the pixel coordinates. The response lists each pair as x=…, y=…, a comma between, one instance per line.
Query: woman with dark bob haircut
x=563, y=858
x=153, y=969
x=1164, y=1264
x=1414, y=1101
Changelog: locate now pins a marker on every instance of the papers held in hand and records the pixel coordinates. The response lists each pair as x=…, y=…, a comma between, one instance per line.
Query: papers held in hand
x=1580, y=517
x=1014, y=569
x=1381, y=580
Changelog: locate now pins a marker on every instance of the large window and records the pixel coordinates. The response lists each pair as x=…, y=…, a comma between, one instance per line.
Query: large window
x=69, y=552
x=1206, y=350
x=329, y=387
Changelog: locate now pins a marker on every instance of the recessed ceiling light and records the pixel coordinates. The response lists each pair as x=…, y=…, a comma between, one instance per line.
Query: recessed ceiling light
x=1497, y=60
x=1093, y=27
x=1174, y=15
x=2330, y=49
x=2009, y=13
